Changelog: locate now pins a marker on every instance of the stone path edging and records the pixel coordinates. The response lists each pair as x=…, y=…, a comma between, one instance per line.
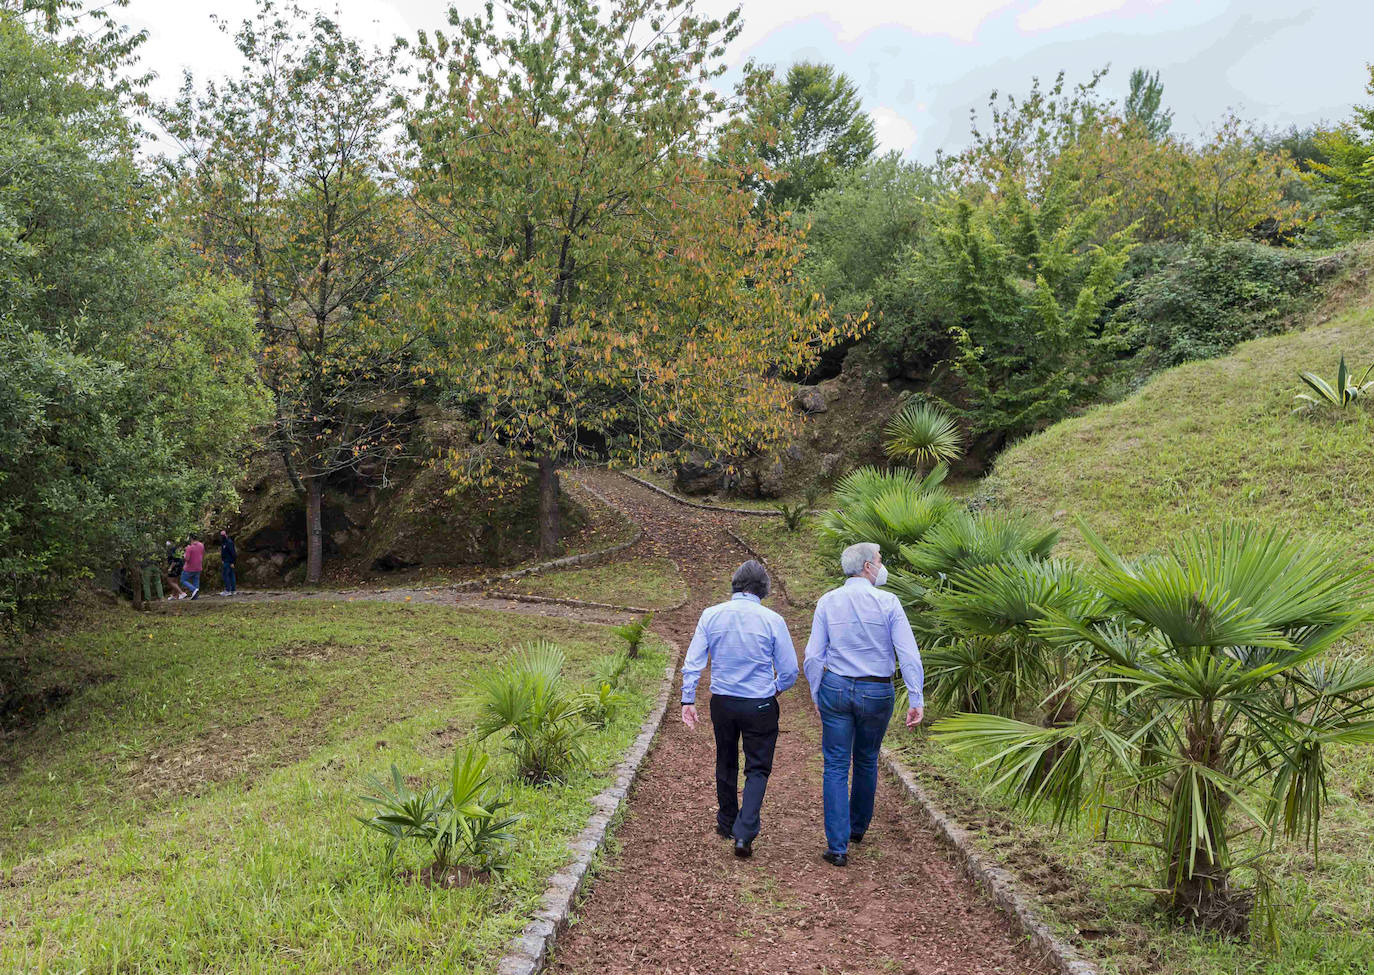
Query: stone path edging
x=997, y=881
x=525, y=597
x=528, y=952
x=756, y=512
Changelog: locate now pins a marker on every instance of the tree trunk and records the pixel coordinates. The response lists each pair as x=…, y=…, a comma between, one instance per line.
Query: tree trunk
x=314, y=550
x=135, y=573
x=550, y=528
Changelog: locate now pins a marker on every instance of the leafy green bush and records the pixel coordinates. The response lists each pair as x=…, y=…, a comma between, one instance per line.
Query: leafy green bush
x=1208, y=697
x=461, y=821
x=527, y=698
x=1199, y=300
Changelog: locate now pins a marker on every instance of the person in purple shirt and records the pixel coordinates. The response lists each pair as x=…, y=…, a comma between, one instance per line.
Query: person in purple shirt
x=858, y=636
x=752, y=662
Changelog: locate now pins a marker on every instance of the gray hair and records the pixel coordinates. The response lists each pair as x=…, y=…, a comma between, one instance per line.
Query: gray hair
x=853, y=559
x=751, y=577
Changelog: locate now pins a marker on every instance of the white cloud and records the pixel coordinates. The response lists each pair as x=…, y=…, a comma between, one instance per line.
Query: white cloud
x=1048, y=14
x=893, y=130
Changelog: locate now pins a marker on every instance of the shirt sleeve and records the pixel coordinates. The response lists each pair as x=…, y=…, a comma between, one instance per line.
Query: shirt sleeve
x=816, y=649
x=908, y=655
x=694, y=662
x=784, y=655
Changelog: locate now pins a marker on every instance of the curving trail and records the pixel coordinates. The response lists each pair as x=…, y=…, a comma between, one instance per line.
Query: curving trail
x=673, y=898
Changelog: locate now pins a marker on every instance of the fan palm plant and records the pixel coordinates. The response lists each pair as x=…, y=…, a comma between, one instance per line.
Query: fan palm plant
x=527, y=698
x=1208, y=700
x=924, y=434
x=889, y=508
x=990, y=660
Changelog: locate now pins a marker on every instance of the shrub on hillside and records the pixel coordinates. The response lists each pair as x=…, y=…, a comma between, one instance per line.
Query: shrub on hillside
x=1201, y=299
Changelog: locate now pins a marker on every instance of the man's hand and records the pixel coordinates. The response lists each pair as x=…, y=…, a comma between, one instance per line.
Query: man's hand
x=914, y=716
x=689, y=716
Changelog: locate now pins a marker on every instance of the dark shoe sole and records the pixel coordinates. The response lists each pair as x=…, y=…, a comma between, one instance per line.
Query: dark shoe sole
x=744, y=850
x=857, y=839
x=836, y=859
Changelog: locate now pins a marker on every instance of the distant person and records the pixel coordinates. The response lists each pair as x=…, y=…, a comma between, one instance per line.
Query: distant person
x=176, y=561
x=228, y=555
x=151, y=574
x=190, y=572
x=858, y=635
x=752, y=662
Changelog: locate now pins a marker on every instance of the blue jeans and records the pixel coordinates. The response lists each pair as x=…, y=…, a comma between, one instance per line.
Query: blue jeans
x=226, y=571
x=190, y=580
x=854, y=717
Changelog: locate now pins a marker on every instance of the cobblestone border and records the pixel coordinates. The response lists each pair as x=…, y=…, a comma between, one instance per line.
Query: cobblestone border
x=757, y=513
x=529, y=951
x=525, y=597
x=994, y=879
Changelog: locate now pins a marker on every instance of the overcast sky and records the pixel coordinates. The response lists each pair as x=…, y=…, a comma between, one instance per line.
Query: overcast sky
x=922, y=65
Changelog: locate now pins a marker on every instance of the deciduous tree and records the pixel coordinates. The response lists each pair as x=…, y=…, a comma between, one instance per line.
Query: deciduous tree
x=289, y=182
x=610, y=292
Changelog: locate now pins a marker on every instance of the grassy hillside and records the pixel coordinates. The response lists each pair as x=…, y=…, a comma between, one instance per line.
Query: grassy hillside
x=1212, y=440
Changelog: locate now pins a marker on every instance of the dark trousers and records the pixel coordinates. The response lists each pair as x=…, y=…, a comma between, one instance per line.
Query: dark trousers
x=226, y=572
x=755, y=721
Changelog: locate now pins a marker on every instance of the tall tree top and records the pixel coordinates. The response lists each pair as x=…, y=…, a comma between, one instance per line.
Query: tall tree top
x=812, y=127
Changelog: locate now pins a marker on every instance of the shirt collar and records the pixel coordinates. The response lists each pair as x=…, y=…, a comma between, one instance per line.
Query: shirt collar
x=747, y=595
x=857, y=579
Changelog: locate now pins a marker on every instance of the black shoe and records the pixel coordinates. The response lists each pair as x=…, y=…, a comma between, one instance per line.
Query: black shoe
x=856, y=837
x=744, y=849
x=838, y=859
x=722, y=831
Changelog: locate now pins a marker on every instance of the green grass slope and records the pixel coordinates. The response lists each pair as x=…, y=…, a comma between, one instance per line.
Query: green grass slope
x=1210, y=441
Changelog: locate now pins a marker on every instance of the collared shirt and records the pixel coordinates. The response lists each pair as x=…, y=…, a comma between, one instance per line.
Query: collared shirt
x=749, y=647
x=860, y=630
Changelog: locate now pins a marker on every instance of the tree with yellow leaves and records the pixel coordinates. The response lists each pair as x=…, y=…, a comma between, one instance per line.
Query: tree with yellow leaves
x=610, y=293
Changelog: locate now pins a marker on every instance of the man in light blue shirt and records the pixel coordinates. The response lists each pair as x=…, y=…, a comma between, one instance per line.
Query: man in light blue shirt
x=752, y=662
x=858, y=635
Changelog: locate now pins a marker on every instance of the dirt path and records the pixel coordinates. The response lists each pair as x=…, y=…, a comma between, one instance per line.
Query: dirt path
x=675, y=899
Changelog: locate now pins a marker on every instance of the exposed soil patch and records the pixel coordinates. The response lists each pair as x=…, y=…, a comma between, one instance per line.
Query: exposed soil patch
x=674, y=898
x=309, y=651
x=224, y=753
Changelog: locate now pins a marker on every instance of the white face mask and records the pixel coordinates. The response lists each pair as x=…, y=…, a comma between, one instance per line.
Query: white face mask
x=881, y=579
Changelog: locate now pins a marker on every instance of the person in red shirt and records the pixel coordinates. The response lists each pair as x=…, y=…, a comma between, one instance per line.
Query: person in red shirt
x=190, y=572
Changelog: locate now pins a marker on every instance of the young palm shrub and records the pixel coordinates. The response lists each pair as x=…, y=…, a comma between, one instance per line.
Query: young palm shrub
x=793, y=515
x=600, y=703
x=1207, y=703
x=1341, y=395
x=633, y=634
x=461, y=821
x=528, y=699
x=961, y=541
x=989, y=659
x=889, y=508
x=924, y=434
